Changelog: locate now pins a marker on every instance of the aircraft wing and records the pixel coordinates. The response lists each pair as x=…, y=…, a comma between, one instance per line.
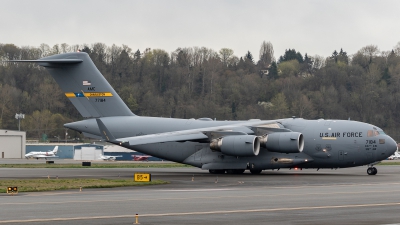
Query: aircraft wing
x=192, y=134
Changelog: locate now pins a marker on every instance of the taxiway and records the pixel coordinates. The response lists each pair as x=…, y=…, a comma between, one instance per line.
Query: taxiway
x=344, y=196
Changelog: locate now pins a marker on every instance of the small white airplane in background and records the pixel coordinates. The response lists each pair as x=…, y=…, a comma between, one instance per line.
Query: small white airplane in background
x=396, y=155
x=140, y=157
x=41, y=155
x=109, y=157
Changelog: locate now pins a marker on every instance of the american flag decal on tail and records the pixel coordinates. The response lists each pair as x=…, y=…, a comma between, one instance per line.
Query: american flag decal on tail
x=86, y=83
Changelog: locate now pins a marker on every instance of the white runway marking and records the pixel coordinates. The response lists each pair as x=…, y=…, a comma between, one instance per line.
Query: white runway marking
x=204, y=189
x=202, y=213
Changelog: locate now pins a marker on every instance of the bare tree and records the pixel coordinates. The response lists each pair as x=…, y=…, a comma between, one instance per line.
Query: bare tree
x=65, y=48
x=365, y=56
x=226, y=54
x=396, y=49
x=45, y=50
x=74, y=48
x=318, y=62
x=266, y=54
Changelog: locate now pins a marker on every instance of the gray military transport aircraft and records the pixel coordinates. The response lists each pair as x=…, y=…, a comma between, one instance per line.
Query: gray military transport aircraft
x=217, y=146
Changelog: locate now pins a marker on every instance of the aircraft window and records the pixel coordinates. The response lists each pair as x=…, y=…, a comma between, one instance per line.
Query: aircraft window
x=376, y=133
x=370, y=133
x=381, y=141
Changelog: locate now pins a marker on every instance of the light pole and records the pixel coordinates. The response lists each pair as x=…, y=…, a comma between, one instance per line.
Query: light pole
x=19, y=117
x=66, y=134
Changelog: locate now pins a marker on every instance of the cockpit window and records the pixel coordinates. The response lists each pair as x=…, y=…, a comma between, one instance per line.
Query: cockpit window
x=370, y=133
x=373, y=133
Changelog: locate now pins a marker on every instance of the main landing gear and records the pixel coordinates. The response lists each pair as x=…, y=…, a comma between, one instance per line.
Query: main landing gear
x=255, y=171
x=372, y=171
x=217, y=171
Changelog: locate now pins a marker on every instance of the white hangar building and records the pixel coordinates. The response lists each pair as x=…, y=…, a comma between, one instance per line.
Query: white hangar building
x=12, y=144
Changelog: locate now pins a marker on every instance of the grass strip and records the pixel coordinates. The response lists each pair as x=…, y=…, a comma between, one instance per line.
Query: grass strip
x=33, y=185
x=96, y=165
x=389, y=163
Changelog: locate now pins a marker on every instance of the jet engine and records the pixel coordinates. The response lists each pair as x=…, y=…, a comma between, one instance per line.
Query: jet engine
x=237, y=145
x=283, y=142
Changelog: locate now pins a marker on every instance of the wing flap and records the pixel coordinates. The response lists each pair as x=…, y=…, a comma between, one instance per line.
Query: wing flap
x=259, y=131
x=154, y=138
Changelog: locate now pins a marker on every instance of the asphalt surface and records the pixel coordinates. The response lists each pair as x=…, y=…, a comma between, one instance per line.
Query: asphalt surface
x=344, y=196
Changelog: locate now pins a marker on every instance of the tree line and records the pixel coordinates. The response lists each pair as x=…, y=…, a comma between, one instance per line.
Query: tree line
x=197, y=82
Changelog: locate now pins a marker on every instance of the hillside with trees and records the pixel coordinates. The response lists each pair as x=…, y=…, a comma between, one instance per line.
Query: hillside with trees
x=197, y=82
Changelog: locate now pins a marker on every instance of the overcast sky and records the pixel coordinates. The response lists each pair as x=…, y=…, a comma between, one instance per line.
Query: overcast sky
x=313, y=27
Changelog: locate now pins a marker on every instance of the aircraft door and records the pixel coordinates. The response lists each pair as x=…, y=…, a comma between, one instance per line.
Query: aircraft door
x=371, y=145
x=370, y=149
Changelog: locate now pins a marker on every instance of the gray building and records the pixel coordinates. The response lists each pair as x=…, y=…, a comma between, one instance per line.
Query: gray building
x=12, y=144
x=88, y=152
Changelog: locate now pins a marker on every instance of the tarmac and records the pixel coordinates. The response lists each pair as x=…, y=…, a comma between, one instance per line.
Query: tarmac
x=343, y=196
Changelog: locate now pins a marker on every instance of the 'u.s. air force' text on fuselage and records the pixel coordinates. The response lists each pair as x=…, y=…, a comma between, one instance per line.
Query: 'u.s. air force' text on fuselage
x=344, y=134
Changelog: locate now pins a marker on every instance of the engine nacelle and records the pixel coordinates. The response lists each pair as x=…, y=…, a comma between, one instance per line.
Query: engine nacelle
x=237, y=145
x=284, y=142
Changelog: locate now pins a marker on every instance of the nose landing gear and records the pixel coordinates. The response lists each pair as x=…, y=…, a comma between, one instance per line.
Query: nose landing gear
x=372, y=171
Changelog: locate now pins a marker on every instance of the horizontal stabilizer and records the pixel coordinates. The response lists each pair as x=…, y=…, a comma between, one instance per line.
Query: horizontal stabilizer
x=53, y=61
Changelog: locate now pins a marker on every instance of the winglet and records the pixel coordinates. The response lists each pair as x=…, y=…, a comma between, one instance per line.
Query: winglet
x=105, y=133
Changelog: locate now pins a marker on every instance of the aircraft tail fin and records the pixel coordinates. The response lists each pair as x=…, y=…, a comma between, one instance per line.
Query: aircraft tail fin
x=55, y=150
x=84, y=85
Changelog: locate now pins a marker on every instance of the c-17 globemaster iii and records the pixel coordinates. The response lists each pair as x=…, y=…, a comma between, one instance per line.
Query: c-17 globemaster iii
x=217, y=146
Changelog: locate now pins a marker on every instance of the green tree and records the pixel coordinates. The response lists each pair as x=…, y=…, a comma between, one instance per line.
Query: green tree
x=291, y=54
x=289, y=68
x=280, y=107
x=249, y=57
x=273, y=71
x=386, y=76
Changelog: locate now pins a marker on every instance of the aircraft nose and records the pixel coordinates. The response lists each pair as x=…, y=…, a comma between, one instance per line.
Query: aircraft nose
x=391, y=146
